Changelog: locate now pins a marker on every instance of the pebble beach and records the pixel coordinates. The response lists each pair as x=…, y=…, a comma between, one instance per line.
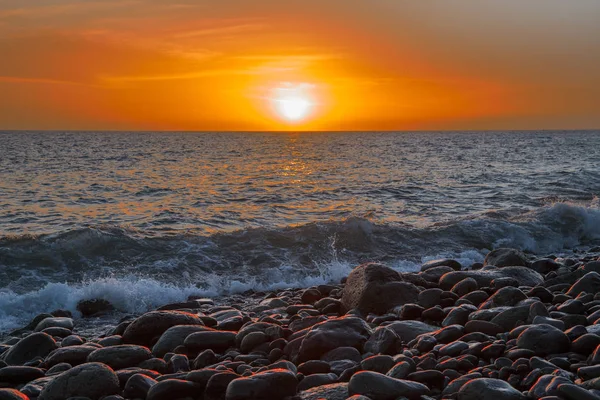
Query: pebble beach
x=512, y=327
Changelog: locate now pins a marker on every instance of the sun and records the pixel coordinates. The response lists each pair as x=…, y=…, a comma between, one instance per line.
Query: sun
x=292, y=102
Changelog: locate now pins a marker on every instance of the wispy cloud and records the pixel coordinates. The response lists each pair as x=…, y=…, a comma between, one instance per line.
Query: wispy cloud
x=220, y=31
x=46, y=81
x=59, y=9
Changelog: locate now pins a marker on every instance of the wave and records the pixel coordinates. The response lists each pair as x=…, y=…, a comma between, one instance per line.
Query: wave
x=135, y=272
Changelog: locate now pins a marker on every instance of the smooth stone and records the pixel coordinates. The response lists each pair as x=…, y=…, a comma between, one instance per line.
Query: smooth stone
x=74, y=355
x=55, y=322
x=589, y=283
x=543, y=340
x=138, y=385
x=149, y=326
x=484, y=277
x=169, y=389
x=269, y=385
x=173, y=337
x=122, y=356
x=316, y=380
x=505, y=257
x=383, y=341
x=334, y=391
x=92, y=380
x=377, y=386
x=217, y=341
x=342, y=353
x=488, y=388
x=331, y=334
x=30, y=347
x=409, y=330
x=19, y=374
x=12, y=394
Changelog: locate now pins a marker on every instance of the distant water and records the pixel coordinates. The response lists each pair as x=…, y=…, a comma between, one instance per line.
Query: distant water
x=141, y=219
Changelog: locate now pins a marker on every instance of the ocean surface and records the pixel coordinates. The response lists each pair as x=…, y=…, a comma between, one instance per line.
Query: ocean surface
x=142, y=219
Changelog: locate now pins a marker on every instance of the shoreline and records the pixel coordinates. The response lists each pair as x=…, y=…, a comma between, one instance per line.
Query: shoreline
x=526, y=327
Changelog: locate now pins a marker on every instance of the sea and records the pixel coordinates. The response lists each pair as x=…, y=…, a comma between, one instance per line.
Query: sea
x=146, y=218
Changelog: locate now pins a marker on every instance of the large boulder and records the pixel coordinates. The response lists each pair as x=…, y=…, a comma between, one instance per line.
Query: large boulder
x=488, y=388
x=589, y=283
x=144, y=329
x=543, y=340
x=30, y=347
x=484, y=277
x=92, y=307
x=173, y=337
x=91, y=380
x=122, y=356
x=506, y=258
x=275, y=384
x=375, y=288
x=377, y=386
x=331, y=334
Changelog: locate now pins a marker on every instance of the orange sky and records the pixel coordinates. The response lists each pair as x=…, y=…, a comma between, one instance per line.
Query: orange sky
x=364, y=64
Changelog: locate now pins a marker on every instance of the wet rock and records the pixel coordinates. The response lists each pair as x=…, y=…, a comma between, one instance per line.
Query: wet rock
x=19, y=374
x=485, y=327
x=486, y=388
x=377, y=386
x=380, y=363
x=60, y=322
x=169, y=389
x=331, y=334
x=342, y=353
x=446, y=262
x=269, y=385
x=543, y=340
x=73, y=355
x=589, y=283
x=374, y=288
x=506, y=258
x=430, y=297
x=173, y=337
x=316, y=380
x=465, y=286
x=215, y=340
x=272, y=331
x=547, y=385
x=122, y=356
x=153, y=324
x=217, y=385
x=314, y=367
x=30, y=347
x=92, y=380
x=383, y=341
x=138, y=385
x=525, y=276
x=89, y=308
x=72, y=340
x=507, y=296
x=311, y=296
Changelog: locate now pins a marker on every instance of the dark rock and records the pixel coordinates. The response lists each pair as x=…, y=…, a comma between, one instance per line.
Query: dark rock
x=544, y=265
x=30, y=347
x=342, y=353
x=314, y=367
x=19, y=375
x=574, y=392
x=543, y=340
x=507, y=296
x=525, y=276
x=589, y=283
x=401, y=370
x=311, y=296
x=272, y=331
x=409, y=330
x=204, y=359
x=138, y=385
x=178, y=363
x=465, y=286
x=331, y=334
x=374, y=288
x=383, y=341
x=455, y=265
x=547, y=385
x=430, y=297
x=486, y=388
x=122, y=356
x=169, y=389
x=55, y=331
x=217, y=385
x=506, y=258
x=92, y=380
x=60, y=322
x=377, y=386
x=316, y=380
x=73, y=355
x=486, y=327
x=89, y=308
x=269, y=385
x=510, y=317
x=173, y=337
x=380, y=363
x=215, y=340
x=144, y=329
x=585, y=344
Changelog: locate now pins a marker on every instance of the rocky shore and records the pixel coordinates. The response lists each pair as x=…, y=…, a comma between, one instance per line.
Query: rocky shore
x=513, y=327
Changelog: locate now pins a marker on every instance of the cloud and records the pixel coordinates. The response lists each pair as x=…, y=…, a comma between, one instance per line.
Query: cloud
x=218, y=31
x=46, y=81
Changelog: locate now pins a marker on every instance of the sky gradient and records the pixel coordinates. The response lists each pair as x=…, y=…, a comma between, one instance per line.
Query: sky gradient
x=364, y=65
